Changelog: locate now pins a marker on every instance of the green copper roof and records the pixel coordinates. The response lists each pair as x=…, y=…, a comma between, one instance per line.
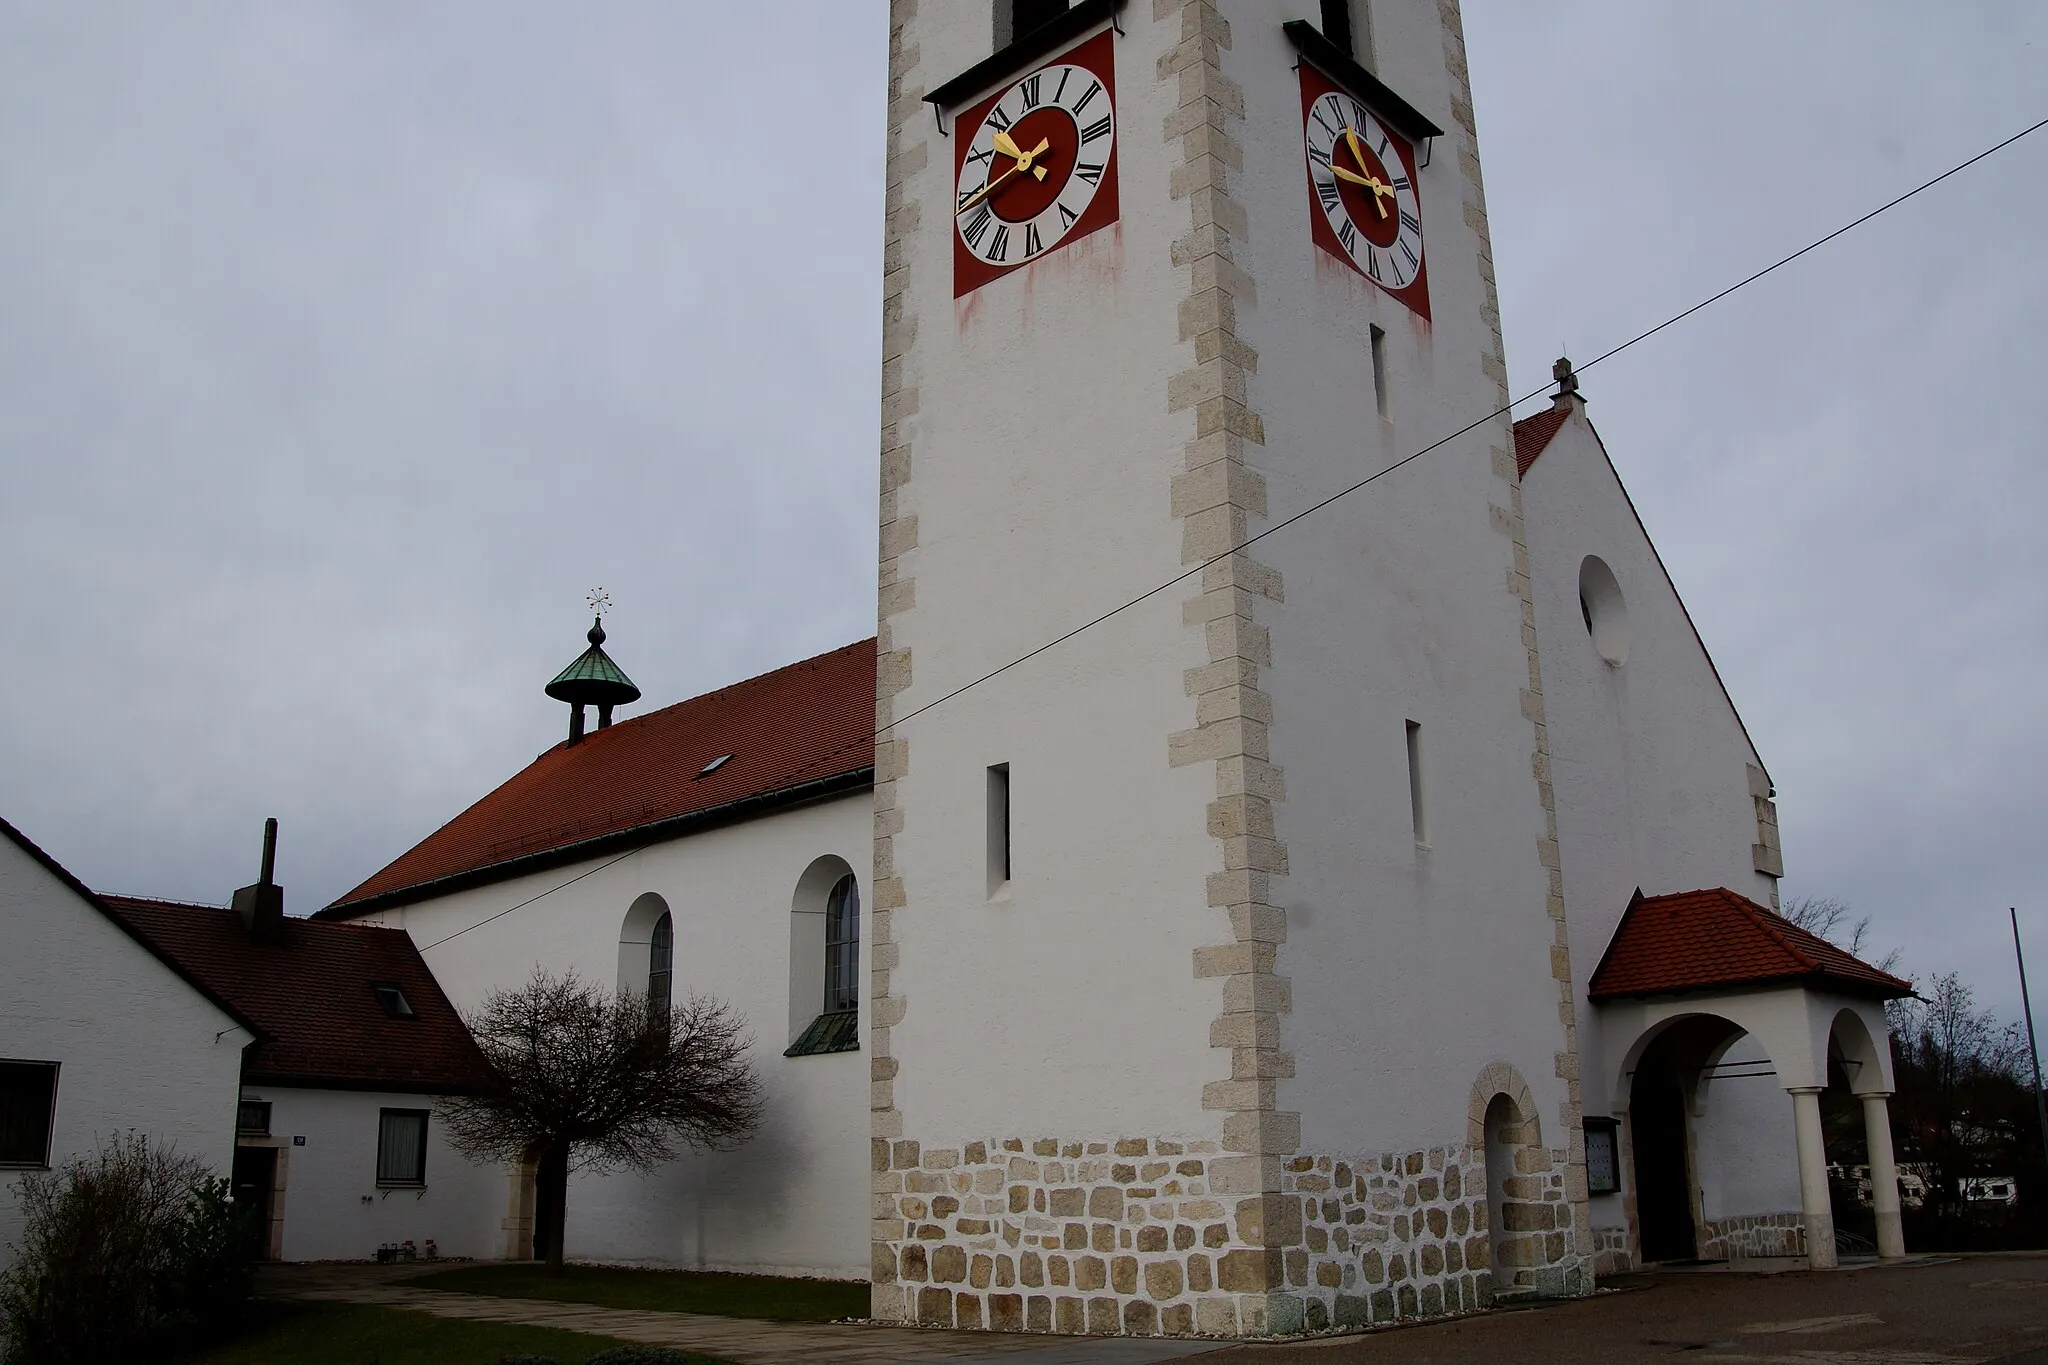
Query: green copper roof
x=592, y=678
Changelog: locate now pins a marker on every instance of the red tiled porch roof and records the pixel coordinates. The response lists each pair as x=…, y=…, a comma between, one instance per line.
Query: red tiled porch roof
x=1703, y=940
x=802, y=727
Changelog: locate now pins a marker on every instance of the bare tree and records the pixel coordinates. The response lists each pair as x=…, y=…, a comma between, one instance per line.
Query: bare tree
x=1828, y=917
x=598, y=1081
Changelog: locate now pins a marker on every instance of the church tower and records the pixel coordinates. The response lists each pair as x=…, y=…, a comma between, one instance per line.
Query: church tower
x=1219, y=968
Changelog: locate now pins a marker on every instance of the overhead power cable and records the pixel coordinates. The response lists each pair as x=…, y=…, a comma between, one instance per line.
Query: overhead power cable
x=1337, y=496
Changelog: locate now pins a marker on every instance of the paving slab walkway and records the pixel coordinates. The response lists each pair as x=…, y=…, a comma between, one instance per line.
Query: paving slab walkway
x=747, y=1341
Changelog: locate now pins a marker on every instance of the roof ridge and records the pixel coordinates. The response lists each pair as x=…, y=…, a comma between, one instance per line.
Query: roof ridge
x=721, y=691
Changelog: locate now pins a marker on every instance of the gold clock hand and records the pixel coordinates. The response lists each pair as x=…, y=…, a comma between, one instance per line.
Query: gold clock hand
x=1025, y=162
x=1353, y=176
x=1007, y=145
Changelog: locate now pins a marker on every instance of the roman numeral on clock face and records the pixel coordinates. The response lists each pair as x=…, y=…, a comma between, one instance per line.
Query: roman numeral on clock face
x=999, y=120
x=977, y=225
x=999, y=245
x=1347, y=236
x=1326, y=190
x=1032, y=246
x=1099, y=128
x=1087, y=96
x=1031, y=84
x=1090, y=171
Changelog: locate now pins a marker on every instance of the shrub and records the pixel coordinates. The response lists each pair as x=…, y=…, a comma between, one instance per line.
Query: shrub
x=643, y=1355
x=124, y=1254
x=524, y=1359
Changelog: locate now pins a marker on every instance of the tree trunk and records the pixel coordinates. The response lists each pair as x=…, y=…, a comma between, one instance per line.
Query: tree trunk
x=551, y=1205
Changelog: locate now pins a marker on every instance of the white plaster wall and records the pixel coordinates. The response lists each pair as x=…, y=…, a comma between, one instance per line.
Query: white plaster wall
x=333, y=1208
x=1043, y=456
x=794, y=1199
x=138, y=1048
x=1649, y=757
x=1745, y=1152
x=1413, y=968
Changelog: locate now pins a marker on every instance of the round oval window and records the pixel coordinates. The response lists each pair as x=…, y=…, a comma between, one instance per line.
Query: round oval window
x=1604, y=611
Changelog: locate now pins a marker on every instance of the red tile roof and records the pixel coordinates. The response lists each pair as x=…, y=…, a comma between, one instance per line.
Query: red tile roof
x=791, y=732
x=311, y=997
x=1532, y=435
x=1700, y=940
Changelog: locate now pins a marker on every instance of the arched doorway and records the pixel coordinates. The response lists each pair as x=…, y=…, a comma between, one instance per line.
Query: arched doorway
x=1661, y=1145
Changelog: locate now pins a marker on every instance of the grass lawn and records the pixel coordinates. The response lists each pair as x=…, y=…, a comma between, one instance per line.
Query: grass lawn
x=358, y=1334
x=673, y=1291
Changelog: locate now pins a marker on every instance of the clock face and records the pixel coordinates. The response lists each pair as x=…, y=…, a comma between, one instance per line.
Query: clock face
x=1365, y=210
x=1037, y=166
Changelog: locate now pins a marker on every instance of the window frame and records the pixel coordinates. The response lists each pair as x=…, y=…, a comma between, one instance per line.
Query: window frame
x=243, y=1108
x=396, y=996
x=53, y=1071
x=661, y=962
x=842, y=967
x=1611, y=1184
x=389, y=1182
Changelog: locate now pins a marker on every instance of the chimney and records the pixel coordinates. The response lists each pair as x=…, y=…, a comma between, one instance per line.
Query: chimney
x=1567, y=398
x=262, y=906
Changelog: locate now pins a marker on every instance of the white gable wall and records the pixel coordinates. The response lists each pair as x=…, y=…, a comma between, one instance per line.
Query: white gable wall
x=138, y=1048
x=331, y=1205
x=1651, y=767
x=794, y=1199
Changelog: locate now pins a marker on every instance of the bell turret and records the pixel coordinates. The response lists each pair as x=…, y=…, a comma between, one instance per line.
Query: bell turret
x=592, y=679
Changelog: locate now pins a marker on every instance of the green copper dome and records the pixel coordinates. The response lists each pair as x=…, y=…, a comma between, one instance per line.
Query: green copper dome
x=592, y=679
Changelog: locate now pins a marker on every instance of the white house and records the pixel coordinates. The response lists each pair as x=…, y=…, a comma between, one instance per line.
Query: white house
x=1369, y=922
x=142, y=1048
x=334, y=1128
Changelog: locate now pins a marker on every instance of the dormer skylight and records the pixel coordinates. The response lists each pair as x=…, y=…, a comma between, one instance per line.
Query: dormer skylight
x=714, y=765
x=392, y=999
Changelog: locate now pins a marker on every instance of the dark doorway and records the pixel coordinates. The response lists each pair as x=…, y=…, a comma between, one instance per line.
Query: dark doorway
x=1656, y=1120
x=254, y=1179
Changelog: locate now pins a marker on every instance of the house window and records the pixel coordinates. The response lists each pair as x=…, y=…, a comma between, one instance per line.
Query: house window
x=998, y=827
x=661, y=959
x=393, y=1000
x=1603, y=1157
x=28, y=1103
x=252, y=1118
x=402, y=1146
x=842, y=945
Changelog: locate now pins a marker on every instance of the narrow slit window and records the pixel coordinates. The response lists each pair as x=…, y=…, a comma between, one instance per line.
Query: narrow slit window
x=1379, y=368
x=998, y=827
x=1417, y=809
x=1337, y=24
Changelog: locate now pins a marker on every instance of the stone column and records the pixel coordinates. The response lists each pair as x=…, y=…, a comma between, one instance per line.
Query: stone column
x=1813, y=1178
x=1884, y=1177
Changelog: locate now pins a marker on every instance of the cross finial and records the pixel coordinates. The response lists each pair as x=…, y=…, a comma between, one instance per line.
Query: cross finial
x=1567, y=395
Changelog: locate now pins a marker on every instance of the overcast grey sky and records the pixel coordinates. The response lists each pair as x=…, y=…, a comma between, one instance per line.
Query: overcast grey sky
x=345, y=345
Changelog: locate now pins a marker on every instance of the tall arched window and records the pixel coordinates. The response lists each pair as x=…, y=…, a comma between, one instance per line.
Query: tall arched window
x=842, y=945
x=661, y=955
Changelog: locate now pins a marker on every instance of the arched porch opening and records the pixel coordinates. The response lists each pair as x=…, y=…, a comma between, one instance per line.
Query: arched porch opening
x=1666, y=1090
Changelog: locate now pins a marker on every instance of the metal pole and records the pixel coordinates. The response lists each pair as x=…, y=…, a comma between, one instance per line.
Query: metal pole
x=2033, y=1049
